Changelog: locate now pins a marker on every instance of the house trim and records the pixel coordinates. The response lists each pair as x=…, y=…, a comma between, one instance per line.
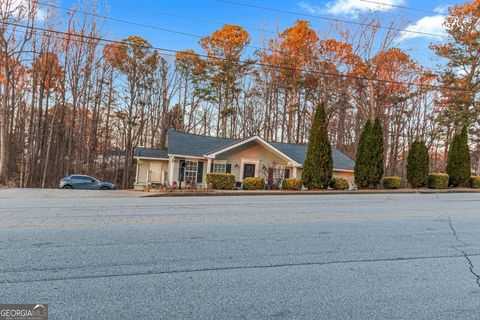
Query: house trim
x=151, y=158
x=185, y=156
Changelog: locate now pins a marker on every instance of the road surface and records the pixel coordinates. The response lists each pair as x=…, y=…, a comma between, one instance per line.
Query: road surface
x=94, y=255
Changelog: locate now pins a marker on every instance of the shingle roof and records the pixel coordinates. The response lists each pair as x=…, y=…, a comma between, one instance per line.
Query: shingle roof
x=150, y=153
x=182, y=143
x=298, y=152
x=187, y=144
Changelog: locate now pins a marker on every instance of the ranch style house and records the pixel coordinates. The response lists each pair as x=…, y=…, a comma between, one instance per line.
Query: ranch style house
x=189, y=157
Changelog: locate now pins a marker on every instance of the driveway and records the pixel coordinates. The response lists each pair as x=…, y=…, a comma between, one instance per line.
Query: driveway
x=101, y=256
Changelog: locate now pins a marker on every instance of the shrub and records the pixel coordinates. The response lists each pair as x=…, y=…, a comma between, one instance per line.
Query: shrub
x=318, y=165
x=438, y=181
x=417, y=165
x=458, y=161
x=369, y=161
x=256, y=183
x=339, y=184
x=292, y=184
x=221, y=181
x=475, y=182
x=394, y=182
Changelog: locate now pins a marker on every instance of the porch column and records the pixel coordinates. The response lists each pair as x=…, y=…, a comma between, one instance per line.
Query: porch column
x=170, y=170
x=294, y=173
x=138, y=171
x=209, y=164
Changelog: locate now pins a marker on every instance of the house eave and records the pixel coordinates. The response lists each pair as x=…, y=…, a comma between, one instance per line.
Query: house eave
x=150, y=158
x=185, y=156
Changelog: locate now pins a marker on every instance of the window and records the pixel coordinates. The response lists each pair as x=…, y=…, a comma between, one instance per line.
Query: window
x=82, y=178
x=219, y=167
x=191, y=168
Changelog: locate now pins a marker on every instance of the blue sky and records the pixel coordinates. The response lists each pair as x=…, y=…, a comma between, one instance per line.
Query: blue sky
x=168, y=13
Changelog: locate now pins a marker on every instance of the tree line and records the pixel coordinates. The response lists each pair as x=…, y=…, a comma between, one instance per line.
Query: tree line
x=76, y=101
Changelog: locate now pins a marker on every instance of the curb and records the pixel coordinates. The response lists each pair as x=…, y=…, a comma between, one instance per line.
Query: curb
x=295, y=193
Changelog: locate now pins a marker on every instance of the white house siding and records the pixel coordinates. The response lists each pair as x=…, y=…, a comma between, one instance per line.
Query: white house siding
x=176, y=168
x=142, y=171
x=150, y=171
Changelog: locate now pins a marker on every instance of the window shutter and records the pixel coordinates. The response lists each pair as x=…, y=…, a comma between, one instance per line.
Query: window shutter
x=228, y=168
x=211, y=167
x=180, y=170
x=200, y=172
x=287, y=173
x=270, y=175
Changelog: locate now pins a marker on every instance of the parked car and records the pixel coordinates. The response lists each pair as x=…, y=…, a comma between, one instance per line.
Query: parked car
x=77, y=181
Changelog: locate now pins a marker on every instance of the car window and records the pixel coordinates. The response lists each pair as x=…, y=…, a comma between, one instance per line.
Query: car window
x=81, y=178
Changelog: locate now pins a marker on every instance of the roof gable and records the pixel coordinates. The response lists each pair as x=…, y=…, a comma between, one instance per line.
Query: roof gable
x=261, y=142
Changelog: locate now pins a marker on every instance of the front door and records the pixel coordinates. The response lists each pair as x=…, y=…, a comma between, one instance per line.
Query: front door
x=248, y=170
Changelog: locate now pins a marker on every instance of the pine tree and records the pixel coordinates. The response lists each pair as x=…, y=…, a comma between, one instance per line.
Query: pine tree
x=458, y=162
x=369, y=161
x=318, y=166
x=417, y=165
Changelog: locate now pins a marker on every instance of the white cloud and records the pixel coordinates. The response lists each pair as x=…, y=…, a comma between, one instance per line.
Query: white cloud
x=426, y=27
x=20, y=7
x=351, y=8
x=442, y=9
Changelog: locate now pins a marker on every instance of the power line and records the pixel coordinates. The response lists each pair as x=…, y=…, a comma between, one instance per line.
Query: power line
x=231, y=2
x=154, y=12
x=172, y=51
x=193, y=19
x=399, y=6
x=157, y=28
x=248, y=5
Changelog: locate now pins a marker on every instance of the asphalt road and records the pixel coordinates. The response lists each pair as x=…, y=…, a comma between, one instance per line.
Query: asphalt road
x=94, y=255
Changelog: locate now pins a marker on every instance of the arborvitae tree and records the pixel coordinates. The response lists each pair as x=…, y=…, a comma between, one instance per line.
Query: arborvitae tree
x=318, y=166
x=362, y=166
x=417, y=165
x=377, y=153
x=369, y=162
x=458, y=162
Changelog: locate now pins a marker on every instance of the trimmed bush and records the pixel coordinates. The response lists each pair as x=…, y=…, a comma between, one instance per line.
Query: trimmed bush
x=475, y=182
x=339, y=184
x=318, y=166
x=292, y=184
x=417, y=165
x=458, y=161
x=221, y=181
x=254, y=183
x=369, y=160
x=394, y=182
x=438, y=181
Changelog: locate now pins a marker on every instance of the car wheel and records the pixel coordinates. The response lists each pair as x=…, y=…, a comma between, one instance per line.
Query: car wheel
x=67, y=187
x=104, y=188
